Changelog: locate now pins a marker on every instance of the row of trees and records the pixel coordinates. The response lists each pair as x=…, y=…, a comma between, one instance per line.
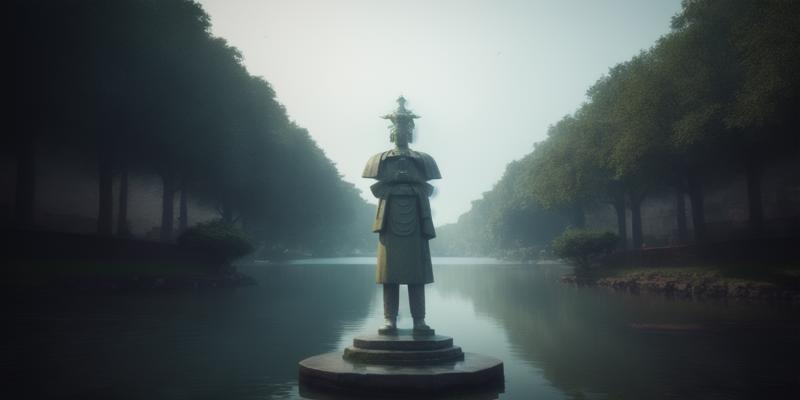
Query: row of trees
x=143, y=87
x=716, y=95
x=505, y=222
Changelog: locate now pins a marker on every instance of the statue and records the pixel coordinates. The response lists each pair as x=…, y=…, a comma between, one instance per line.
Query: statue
x=394, y=360
x=403, y=220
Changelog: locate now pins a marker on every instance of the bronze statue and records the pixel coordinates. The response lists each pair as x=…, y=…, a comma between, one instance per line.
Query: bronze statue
x=403, y=220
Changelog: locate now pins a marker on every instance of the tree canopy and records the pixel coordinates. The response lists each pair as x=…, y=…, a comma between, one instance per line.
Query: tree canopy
x=144, y=87
x=713, y=95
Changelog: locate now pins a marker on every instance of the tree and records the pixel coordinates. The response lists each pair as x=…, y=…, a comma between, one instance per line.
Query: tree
x=746, y=89
x=140, y=87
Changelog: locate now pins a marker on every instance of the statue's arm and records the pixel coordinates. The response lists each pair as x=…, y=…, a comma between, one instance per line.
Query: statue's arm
x=424, y=190
x=380, y=189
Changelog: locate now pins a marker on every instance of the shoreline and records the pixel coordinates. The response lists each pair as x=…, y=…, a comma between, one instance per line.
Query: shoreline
x=691, y=283
x=56, y=262
x=762, y=269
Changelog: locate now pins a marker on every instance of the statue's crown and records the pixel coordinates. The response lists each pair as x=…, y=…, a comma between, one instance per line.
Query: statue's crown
x=401, y=112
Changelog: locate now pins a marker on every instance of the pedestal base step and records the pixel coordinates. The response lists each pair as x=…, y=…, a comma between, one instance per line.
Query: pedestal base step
x=331, y=371
x=403, y=340
x=403, y=357
x=416, y=332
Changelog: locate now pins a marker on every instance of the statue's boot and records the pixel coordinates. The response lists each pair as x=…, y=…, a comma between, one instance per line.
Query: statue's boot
x=389, y=324
x=391, y=305
x=416, y=300
x=421, y=326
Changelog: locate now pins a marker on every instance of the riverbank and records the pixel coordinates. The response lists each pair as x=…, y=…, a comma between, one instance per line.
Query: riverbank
x=706, y=282
x=744, y=270
x=102, y=279
x=52, y=261
x=697, y=282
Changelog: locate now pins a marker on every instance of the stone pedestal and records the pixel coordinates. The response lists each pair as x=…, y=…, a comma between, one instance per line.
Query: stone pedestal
x=401, y=363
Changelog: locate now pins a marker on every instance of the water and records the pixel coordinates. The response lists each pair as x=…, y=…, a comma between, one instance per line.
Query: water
x=557, y=342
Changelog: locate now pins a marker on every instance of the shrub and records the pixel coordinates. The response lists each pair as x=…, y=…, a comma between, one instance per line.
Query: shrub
x=222, y=241
x=582, y=247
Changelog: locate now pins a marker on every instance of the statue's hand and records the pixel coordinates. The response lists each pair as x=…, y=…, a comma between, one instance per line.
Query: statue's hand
x=401, y=176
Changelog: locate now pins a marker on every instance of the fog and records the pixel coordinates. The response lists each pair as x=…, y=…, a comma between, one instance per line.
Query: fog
x=487, y=77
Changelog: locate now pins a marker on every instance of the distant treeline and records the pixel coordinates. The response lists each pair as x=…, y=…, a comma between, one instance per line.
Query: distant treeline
x=142, y=86
x=716, y=96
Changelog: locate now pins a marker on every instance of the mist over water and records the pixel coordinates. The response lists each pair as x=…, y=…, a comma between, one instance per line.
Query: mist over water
x=556, y=341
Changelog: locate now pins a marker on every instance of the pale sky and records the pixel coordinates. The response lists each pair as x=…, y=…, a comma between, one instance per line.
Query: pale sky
x=487, y=77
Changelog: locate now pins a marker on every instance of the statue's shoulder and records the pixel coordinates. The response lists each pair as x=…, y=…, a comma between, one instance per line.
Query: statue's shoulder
x=431, y=169
x=373, y=165
x=372, y=169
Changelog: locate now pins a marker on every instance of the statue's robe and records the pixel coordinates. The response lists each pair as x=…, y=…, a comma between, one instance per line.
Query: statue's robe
x=403, y=220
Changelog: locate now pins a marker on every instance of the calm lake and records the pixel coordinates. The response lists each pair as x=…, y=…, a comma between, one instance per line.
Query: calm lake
x=557, y=341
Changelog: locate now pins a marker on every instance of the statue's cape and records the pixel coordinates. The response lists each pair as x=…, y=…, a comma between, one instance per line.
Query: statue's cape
x=431, y=170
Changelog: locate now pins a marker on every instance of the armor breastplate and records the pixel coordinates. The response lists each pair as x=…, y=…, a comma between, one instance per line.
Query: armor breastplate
x=403, y=215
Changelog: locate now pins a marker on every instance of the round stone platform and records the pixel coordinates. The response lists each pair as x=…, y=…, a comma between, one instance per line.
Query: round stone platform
x=403, y=348
x=332, y=372
x=402, y=362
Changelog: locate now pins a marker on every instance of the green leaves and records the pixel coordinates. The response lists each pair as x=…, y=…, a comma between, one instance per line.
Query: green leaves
x=221, y=240
x=144, y=84
x=719, y=90
x=583, y=247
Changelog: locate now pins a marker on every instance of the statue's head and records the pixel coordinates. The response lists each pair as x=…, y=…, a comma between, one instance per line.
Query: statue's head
x=402, y=130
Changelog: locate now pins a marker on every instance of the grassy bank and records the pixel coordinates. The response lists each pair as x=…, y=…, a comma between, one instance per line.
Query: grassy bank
x=700, y=281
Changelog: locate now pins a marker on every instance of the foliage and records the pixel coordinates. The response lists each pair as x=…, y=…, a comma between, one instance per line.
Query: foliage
x=221, y=240
x=716, y=95
x=582, y=247
x=503, y=223
x=144, y=87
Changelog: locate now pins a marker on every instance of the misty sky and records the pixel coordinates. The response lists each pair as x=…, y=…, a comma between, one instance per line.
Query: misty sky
x=487, y=77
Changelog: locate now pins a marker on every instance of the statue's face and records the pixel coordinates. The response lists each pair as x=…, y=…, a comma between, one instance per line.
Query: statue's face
x=403, y=131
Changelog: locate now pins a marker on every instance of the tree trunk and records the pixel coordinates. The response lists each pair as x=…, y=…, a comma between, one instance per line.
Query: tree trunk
x=754, y=201
x=105, y=186
x=184, y=217
x=635, y=204
x=680, y=215
x=698, y=208
x=25, y=199
x=622, y=222
x=167, y=206
x=123, y=229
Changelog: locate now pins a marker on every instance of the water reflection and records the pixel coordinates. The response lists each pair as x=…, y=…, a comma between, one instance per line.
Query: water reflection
x=592, y=343
x=481, y=394
x=556, y=341
x=234, y=344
